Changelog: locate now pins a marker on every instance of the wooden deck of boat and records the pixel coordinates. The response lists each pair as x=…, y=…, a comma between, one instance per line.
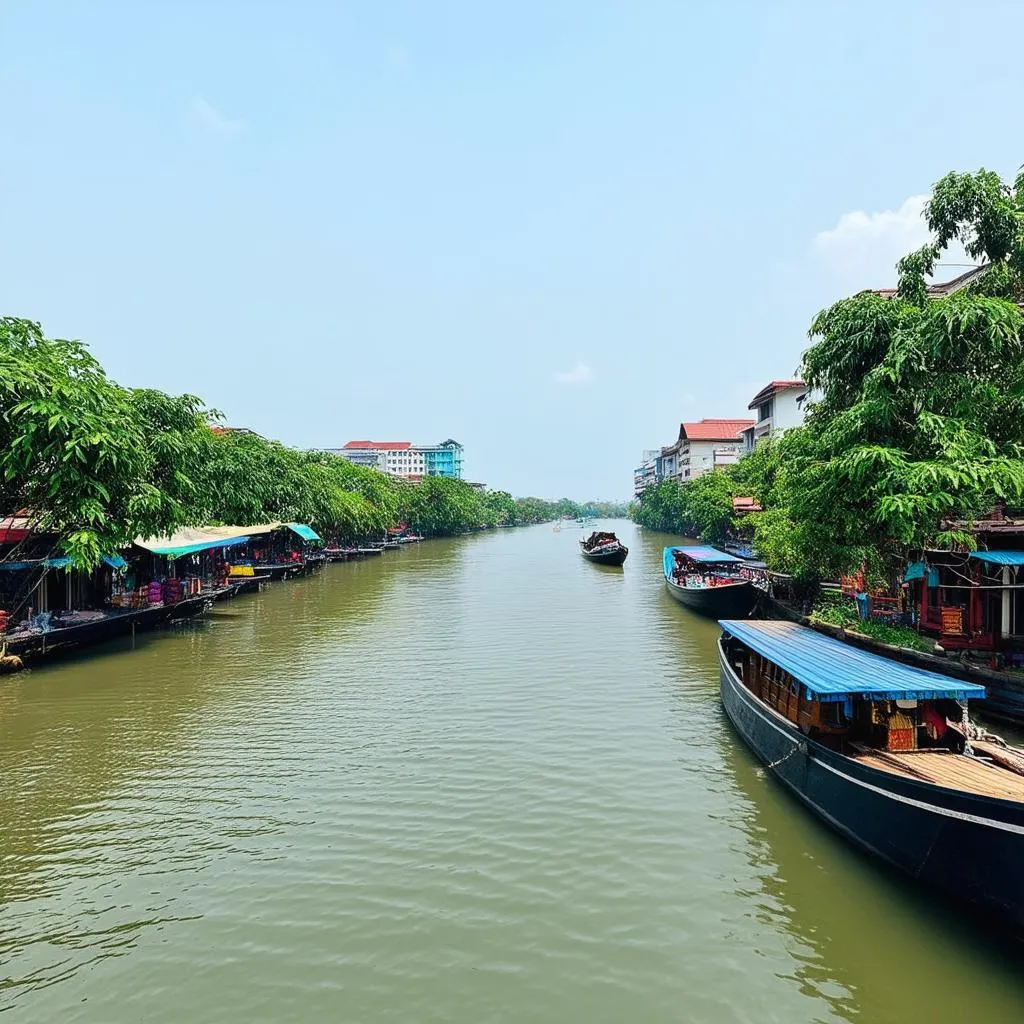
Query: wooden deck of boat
x=954, y=771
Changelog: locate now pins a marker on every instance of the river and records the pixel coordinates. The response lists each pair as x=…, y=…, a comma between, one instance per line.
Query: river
x=473, y=780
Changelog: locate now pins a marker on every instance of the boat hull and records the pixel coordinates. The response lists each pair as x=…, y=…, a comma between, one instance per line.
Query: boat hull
x=967, y=846
x=281, y=570
x=614, y=557
x=731, y=601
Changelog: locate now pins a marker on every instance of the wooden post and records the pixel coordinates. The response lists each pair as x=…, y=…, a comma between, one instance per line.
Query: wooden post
x=1007, y=625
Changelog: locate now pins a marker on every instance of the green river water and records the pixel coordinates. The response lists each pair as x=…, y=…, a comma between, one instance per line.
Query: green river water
x=473, y=780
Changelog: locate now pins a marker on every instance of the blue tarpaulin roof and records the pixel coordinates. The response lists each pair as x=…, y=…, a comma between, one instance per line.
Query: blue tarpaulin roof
x=916, y=571
x=999, y=557
x=115, y=561
x=176, y=551
x=305, y=532
x=697, y=554
x=832, y=671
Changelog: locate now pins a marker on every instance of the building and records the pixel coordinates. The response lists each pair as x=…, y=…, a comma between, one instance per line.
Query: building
x=406, y=460
x=706, y=445
x=646, y=474
x=444, y=459
x=778, y=406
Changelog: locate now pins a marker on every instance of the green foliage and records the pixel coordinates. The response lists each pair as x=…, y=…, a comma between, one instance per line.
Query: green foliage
x=82, y=456
x=98, y=465
x=919, y=412
x=836, y=609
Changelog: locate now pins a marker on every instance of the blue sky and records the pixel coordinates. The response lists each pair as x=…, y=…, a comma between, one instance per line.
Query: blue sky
x=549, y=230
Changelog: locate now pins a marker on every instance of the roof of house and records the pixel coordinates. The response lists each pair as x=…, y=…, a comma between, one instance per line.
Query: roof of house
x=381, y=446
x=773, y=389
x=740, y=504
x=713, y=430
x=943, y=288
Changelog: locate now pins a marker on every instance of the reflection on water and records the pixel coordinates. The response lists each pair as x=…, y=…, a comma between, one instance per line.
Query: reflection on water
x=471, y=780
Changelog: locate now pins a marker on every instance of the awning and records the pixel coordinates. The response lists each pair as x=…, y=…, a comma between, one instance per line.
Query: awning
x=191, y=540
x=115, y=561
x=999, y=557
x=831, y=671
x=916, y=571
x=703, y=555
x=57, y=563
x=305, y=532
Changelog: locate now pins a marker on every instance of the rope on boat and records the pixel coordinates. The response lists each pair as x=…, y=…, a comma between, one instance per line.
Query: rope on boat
x=799, y=748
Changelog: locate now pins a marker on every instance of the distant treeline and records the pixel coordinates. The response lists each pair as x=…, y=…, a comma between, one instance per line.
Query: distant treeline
x=97, y=465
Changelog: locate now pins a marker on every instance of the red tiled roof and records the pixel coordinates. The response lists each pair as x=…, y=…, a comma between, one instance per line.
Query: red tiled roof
x=383, y=446
x=773, y=389
x=745, y=505
x=713, y=430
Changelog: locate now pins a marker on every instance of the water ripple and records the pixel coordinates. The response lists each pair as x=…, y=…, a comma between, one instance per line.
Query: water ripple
x=477, y=780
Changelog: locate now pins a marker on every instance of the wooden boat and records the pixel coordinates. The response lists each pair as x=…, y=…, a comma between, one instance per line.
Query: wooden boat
x=362, y=552
x=876, y=750
x=410, y=538
x=709, y=581
x=604, y=548
x=36, y=647
x=391, y=545
x=280, y=570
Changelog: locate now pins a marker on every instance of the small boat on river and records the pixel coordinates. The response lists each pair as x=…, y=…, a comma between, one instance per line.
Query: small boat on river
x=881, y=752
x=372, y=549
x=604, y=548
x=708, y=581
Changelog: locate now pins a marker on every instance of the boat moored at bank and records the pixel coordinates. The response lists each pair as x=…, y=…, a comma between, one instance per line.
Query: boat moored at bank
x=709, y=581
x=880, y=751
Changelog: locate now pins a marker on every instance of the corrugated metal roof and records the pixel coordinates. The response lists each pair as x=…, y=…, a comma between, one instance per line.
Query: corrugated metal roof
x=999, y=557
x=831, y=670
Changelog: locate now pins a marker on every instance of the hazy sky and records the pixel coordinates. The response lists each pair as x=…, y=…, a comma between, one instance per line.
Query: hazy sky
x=549, y=230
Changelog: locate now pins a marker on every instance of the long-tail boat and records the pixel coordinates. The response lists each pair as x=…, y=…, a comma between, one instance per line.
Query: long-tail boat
x=708, y=581
x=883, y=753
x=604, y=548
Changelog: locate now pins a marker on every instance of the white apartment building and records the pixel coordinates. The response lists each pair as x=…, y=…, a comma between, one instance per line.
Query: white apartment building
x=778, y=406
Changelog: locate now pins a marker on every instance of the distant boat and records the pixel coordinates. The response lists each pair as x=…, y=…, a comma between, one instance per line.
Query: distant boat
x=370, y=550
x=706, y=580
x=604, y=548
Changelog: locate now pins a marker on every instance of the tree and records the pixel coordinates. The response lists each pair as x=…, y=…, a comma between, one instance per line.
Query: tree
x=89, y=461
x=921, y=410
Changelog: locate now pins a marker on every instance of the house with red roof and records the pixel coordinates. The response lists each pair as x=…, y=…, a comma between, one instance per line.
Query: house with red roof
x=706, y=445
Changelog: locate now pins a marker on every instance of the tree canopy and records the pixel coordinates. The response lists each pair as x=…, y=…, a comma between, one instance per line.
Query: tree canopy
x=95, y=465
x=918, y=411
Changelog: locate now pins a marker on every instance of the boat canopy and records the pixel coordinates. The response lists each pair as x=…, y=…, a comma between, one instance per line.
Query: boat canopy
x=710, y=556
x=190, y=540
x=999, y=557
x=833, y=671
x=305, y=532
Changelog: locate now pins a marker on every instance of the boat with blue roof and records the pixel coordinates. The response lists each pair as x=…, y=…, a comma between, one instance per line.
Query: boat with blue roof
x=709, y=581
x=885, y=754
